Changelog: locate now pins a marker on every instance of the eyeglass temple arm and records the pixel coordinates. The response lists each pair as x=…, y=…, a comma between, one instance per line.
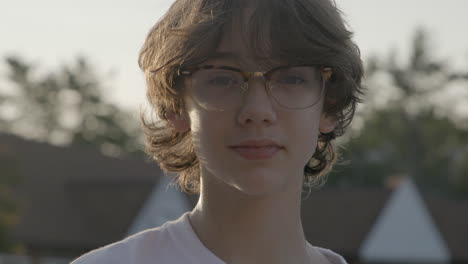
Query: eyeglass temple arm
x=326, y=73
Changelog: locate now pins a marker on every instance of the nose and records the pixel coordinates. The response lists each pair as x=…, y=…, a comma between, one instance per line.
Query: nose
x=257, y=106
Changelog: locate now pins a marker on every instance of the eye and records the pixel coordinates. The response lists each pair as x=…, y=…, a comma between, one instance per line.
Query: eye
x=291, y=79
x=222, y=81
x=292, y=76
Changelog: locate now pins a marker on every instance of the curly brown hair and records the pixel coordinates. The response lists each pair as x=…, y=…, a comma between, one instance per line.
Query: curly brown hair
x=292, y=31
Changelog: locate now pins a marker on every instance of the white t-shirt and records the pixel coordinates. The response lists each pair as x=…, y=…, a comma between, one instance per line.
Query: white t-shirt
x=172, y=243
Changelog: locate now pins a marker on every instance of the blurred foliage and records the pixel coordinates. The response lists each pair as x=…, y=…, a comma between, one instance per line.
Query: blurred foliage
x=414, y=123
x=67, y=107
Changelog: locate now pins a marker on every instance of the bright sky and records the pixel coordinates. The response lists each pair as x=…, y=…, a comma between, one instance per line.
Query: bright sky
x=110, y=33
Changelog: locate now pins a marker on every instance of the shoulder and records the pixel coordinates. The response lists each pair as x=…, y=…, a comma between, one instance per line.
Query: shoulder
x=140, y=247
x=331, y=256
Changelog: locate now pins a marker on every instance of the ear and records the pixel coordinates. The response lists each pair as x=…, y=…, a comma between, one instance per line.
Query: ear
x=327, y=123
x=179, y=123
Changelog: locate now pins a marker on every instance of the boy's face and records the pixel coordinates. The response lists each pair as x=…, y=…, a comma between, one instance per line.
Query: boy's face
x=253, y=171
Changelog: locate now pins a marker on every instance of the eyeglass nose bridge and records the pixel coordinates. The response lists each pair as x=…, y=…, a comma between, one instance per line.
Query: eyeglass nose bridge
x=249, y=75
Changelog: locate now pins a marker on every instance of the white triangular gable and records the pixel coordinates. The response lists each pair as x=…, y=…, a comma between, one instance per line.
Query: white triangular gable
x=404, y=231
x=165, y=203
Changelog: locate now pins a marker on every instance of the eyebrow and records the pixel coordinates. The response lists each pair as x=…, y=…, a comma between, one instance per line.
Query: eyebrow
x=238, y=59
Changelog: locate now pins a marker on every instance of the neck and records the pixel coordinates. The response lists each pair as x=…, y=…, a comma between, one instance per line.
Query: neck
x=239, y=228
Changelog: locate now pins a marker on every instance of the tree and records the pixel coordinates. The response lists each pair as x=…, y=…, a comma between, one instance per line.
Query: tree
x=67, y=107
x=412, y=124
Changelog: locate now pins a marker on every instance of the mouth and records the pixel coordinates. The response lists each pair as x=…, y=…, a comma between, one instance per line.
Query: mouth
x=257, y=149
x=257, y=144
x=257, y=153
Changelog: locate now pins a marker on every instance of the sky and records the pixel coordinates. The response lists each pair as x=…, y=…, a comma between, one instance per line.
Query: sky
x=51, y=33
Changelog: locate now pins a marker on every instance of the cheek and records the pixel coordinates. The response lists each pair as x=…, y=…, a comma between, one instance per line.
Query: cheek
x=303, y=135
x=207, y=129
x=207, y=134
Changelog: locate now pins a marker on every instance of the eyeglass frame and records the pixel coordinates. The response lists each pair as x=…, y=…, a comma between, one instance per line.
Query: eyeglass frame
x=326, y=73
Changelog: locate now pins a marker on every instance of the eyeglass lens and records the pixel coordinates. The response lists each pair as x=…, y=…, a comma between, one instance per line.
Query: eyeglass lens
x=291, y=87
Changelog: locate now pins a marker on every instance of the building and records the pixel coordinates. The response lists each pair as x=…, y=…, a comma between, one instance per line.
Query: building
x=74, y=199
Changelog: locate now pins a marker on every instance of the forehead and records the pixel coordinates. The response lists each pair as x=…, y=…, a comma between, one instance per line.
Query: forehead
x=246, y=63
x=234, y=48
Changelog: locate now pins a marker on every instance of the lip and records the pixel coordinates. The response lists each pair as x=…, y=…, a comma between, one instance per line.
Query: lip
x=257, y=149
x=257, y=143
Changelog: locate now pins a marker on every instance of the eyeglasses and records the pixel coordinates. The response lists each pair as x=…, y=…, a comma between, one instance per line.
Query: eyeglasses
x=222, y=87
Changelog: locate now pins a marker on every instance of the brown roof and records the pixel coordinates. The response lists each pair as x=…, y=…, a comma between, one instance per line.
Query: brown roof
x=341, y=218
x=68, y=194
x=450, y=215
